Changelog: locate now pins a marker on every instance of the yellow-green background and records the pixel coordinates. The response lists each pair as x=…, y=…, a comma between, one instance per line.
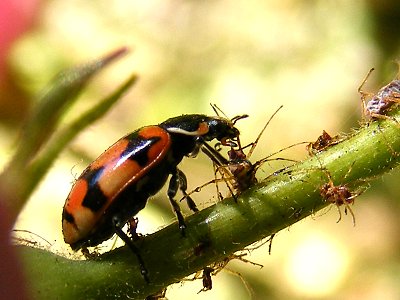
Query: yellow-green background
x=248, y=57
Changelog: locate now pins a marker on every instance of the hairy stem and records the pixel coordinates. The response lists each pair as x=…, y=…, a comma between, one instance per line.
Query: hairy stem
x=220, y=230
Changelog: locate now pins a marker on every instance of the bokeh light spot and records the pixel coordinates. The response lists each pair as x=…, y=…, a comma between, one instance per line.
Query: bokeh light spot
x=317, y=266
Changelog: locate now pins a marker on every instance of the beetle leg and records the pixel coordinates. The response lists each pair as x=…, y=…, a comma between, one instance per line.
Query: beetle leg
x=196, y=148
x=172, y=190
x=183, y=188
x=122, y=235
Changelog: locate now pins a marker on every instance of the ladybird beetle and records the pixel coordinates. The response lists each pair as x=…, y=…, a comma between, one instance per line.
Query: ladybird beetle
x=116, y=186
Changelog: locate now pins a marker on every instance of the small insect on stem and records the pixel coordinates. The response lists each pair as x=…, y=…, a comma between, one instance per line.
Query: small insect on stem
x=338, y=195
x=238, y=172
x=324, y=141
x=380, y=103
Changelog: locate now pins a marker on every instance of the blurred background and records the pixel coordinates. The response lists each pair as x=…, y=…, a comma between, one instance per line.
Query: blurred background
x=248, y=57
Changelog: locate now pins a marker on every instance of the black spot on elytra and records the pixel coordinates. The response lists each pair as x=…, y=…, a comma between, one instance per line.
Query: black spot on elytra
x=138, y=149
x=94, y=198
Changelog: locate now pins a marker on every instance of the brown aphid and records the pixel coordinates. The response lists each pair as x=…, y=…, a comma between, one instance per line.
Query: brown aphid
x=380, y=103
x=339, y=195
x=238, y=172
x=324, y=141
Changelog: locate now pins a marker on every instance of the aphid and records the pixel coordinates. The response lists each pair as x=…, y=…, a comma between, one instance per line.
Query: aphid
x=382, y=101
x=238, y=171
x=116, y=186
x=323, y=142
x=338, y=195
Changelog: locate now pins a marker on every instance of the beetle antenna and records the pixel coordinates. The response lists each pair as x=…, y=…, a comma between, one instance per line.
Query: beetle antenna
x=213, y=106
x=218, y=111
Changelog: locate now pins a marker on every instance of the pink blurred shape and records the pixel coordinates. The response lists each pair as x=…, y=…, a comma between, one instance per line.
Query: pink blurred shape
x=16, y=17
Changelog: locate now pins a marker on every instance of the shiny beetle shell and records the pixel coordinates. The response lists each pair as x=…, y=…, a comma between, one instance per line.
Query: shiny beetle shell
x=117, y=185
x=124, y=163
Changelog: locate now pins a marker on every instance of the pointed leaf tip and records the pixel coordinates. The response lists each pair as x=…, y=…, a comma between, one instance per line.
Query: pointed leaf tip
x=113, y=55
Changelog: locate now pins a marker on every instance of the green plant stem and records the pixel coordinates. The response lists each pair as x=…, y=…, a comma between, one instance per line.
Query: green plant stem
x=222, y=229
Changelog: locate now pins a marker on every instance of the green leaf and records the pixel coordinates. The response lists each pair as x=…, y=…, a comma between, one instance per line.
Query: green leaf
x=42, y=124
x=40, y=166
